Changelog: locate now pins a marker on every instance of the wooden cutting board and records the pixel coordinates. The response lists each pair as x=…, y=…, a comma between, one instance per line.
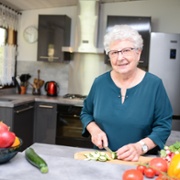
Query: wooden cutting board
x=142, y=159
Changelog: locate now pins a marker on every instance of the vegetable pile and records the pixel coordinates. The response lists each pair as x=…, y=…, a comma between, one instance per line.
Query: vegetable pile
x=165, y=167
x=157, y=168
x=169, y=151
x=7, y=138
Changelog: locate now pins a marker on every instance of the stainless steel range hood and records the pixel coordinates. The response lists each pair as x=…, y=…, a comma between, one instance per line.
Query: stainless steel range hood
x=88, y=60
x=87, y=28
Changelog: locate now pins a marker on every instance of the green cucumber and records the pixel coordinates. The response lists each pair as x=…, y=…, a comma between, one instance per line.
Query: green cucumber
x=34, y=159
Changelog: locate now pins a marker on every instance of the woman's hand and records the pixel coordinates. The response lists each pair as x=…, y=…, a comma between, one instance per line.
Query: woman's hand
x=129, y=152
x=98, y=137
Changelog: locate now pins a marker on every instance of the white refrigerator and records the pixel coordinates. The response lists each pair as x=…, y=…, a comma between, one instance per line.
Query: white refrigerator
x=164, y=61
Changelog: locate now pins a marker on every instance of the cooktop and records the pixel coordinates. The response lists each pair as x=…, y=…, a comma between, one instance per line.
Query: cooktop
x=74, y=96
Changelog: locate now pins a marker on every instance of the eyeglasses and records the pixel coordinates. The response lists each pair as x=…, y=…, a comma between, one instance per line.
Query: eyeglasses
x=124, y=52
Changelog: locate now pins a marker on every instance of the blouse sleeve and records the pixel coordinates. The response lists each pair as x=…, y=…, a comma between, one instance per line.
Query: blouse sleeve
x=162, y=123
x=87, y=111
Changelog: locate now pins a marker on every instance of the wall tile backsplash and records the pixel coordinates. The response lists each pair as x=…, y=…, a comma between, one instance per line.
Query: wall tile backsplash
x=48, y=72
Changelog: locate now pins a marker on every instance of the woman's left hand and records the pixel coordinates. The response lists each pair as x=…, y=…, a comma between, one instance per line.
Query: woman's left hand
x=129, y=152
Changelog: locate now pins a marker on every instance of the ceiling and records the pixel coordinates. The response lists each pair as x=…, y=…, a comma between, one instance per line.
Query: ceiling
x=22, y=5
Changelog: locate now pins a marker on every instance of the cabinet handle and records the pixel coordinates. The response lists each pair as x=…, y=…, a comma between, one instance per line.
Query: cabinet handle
x=46, y=106
x=25, y=109
x=141, y=62
x=47, y=57
x=76, y=115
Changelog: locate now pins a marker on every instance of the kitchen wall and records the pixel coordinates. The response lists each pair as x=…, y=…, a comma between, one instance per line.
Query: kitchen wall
x=165, y=18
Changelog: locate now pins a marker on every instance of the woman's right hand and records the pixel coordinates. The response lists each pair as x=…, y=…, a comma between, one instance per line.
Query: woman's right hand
x=98, y=137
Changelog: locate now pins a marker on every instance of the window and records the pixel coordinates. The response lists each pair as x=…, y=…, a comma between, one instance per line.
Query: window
x=2, y=36
x=7, y=58
x=9, y=19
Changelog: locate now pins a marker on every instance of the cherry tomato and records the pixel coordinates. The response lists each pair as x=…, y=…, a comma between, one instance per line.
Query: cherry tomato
x=132, y=174
x=141, y=168
x=149, y=172
x=159, y=164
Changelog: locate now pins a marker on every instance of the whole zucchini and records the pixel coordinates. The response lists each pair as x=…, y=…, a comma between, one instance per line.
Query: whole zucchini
x=34, y=159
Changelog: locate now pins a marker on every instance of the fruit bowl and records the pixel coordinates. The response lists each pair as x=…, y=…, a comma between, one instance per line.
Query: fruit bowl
x=7, y=154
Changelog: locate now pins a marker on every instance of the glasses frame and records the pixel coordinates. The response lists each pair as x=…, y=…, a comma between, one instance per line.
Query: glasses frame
x=122, y=51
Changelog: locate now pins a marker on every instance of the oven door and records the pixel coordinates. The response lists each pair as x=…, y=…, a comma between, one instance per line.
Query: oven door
x=69, y=127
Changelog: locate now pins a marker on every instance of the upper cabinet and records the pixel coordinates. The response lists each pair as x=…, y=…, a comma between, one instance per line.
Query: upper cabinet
x=53, y=34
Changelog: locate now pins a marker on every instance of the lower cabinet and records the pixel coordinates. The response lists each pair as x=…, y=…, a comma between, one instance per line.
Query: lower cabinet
x=20, y=119
x=45, y=122
x=23, y=124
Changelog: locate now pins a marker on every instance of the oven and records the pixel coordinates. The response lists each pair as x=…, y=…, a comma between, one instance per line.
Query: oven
x=69, y=127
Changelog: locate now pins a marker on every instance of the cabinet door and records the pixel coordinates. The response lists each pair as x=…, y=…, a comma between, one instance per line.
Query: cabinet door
x=20, y=120
x=54, y=33
x=6, y=116
x=23, y=123
x=45, y=123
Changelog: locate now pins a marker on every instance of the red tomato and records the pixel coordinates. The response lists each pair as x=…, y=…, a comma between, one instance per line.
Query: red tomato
x=149, y=172
x=159, y=164
x=132, y=174
x=6, y=139
x=3, y=127
x=141, y=168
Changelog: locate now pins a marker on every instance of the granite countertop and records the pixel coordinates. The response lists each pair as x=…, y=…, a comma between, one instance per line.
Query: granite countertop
x=13, y=100
x=62, y=166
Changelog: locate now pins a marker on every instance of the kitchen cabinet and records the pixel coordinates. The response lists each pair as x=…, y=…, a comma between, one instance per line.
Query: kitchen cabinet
x=53, y=34
x=20, y=119
x=45, y=122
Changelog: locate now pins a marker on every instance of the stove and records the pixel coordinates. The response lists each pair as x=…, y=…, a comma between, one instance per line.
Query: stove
x=74, y=96
x=68, y=125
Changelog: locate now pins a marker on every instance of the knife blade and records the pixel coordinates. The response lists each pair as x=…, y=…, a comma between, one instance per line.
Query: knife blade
x=108, y=149
x=113, y=154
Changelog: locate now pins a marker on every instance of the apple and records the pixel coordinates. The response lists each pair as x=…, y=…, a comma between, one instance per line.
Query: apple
x=3, y=127
x=7, y=138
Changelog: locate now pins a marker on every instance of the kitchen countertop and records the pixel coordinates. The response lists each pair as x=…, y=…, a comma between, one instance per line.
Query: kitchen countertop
x=62, y=166
x=13, y=100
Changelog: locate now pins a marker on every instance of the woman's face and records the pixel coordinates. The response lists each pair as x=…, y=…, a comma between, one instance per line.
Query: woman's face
x=123, y=56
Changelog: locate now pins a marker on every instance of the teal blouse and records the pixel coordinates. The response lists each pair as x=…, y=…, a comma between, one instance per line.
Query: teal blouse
x=146, y=111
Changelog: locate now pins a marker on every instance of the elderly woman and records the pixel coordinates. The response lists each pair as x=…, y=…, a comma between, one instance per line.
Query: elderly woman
x=127, y=108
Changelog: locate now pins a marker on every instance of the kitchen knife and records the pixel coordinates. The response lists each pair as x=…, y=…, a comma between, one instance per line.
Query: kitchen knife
x=108, y=150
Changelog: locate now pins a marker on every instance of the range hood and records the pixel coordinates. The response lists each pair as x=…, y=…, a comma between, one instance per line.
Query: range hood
x=87, y=28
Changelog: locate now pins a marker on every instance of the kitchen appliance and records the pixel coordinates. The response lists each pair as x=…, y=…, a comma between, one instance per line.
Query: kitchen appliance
x=69, y=126
x=164, y=62
x=52, y=88
x=74, y=96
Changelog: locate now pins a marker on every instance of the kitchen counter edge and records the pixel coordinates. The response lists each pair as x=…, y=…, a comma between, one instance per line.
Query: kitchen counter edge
x=13, y=100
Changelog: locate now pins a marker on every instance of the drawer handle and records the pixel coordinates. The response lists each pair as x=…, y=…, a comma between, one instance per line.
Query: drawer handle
x=46, y=106
x=140, y=62
x=48, y=57
x=25, y=109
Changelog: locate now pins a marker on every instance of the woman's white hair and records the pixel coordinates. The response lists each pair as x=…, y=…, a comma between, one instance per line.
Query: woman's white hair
x=122, y=32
